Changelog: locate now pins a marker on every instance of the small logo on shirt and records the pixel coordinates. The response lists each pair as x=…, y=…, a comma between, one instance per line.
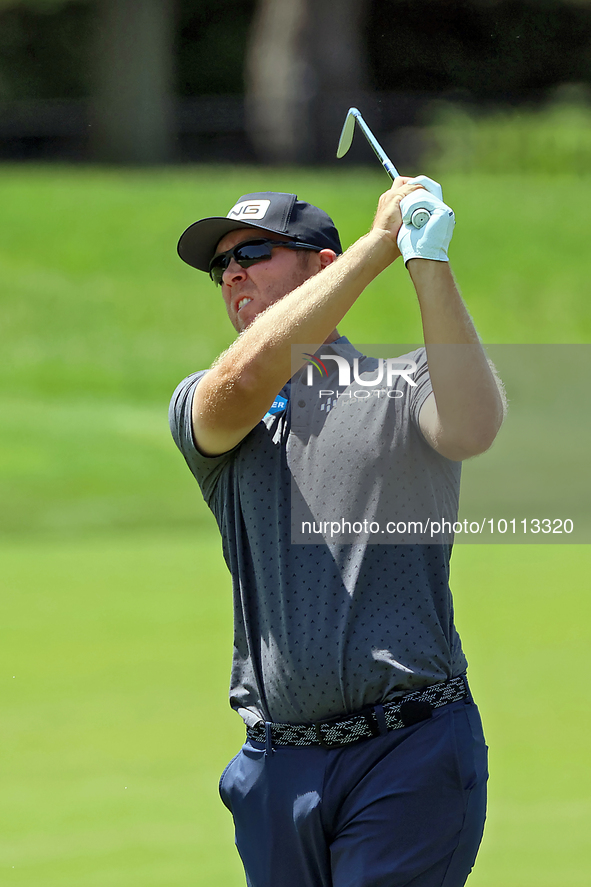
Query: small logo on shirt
x=278, y=406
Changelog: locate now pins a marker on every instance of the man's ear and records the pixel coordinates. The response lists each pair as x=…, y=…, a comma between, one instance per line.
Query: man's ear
x=327, y=257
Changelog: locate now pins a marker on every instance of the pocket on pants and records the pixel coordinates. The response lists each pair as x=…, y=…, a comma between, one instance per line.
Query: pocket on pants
x=471, y=749
x=225, y=771
x=242, y=776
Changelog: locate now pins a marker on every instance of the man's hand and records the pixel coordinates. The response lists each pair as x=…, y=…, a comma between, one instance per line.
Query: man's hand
x=388, y=217
x=432, y=240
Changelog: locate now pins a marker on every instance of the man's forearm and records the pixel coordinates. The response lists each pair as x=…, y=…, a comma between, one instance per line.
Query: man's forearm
x=469, y=404
x=257, y=365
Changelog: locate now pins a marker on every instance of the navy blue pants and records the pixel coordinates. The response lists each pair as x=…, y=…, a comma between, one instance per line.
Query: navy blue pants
x=405, y=809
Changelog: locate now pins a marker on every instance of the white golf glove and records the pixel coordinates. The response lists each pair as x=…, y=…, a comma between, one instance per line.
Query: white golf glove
x=432, y=240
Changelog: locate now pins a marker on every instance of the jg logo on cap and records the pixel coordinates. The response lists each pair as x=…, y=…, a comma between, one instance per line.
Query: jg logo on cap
x=268, y=210
x=250, y=210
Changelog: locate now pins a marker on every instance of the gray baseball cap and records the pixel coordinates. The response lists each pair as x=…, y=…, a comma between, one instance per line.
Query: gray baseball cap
x=268, y=210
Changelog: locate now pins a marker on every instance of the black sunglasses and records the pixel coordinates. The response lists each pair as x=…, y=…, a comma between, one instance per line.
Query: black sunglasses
x=249, y=253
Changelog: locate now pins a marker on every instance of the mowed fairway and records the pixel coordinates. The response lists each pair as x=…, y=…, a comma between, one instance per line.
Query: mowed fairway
x=115, y=603
x=116, y=726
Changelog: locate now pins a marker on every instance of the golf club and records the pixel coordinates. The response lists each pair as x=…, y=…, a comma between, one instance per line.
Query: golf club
x=421, y=215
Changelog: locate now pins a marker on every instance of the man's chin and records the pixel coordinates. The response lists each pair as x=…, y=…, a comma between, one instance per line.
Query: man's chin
x=242, y=323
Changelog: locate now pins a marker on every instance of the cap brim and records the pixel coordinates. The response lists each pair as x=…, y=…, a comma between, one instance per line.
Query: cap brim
x=197, y=245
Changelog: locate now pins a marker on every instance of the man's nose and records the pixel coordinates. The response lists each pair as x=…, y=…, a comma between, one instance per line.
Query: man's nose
x=233, y=272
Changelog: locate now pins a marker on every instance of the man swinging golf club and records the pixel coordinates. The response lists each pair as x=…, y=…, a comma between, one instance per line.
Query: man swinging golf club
x=364, y=762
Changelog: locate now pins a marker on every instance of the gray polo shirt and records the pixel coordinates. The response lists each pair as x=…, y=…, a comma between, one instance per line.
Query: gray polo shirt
x=329, y=627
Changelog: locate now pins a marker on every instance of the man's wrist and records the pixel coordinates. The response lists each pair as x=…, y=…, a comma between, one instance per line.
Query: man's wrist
x=426, y=270
x=384, y=247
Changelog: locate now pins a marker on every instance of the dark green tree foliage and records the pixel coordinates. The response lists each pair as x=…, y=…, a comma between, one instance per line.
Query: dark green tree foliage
x=46, y=47
x=44, y=50
x=211, y=46
x=491, y=49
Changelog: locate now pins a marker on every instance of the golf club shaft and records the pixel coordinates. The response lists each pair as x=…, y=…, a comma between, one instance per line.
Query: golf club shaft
x=378, y=150
x=421, y=215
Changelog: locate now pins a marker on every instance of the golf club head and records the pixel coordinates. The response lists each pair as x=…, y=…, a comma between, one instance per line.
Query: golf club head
x=347, y=132
x=353, y=114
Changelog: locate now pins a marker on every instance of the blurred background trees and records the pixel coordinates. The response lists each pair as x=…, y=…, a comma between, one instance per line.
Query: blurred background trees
x=150, y=81
x=306, y=63
x=132, y=62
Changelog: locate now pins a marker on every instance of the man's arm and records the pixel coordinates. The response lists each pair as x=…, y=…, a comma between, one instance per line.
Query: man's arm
x=464, y=413
x=239, y=389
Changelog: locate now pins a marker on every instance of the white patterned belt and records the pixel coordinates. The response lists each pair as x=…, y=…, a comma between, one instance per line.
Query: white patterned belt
x=375, y=721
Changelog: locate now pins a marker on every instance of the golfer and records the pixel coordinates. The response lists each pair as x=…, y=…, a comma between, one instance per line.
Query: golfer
x=364, y=761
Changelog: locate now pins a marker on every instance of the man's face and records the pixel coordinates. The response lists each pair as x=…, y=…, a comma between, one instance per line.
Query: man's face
x=249, y=291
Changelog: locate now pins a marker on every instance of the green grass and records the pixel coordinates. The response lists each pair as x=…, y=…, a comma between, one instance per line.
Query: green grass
x=116, y=725
x=524, y=615
x=95, y=300
x=542, y=140
x=115, y=601
x=101, y=319
x=116, y=654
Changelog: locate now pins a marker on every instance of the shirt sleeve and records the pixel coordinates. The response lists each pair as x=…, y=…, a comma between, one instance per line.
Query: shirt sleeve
x=207, y=470
x=421, y=391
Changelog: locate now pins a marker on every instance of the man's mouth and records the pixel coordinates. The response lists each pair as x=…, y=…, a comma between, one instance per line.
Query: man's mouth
x=242, y=303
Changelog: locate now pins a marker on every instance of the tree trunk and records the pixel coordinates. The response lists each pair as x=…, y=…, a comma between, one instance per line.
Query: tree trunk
x=339, y=45
x=305, y=66
x=132, y=120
